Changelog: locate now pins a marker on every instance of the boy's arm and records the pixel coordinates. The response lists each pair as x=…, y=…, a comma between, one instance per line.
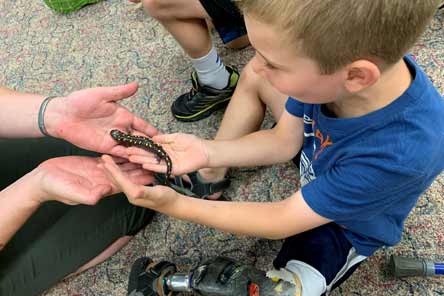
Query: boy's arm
x=272, y=220
x=264, y=147
x=190, y=153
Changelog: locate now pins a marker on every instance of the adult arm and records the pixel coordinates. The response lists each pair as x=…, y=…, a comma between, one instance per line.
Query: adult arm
x=19, y=114
x=70, y=179
x=17, y=204
x=83, y=118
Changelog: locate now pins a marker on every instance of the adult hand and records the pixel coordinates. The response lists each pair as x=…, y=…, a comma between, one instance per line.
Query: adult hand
x=159, y=198
x=86, y=117
x=81, y=179
x=187, y=152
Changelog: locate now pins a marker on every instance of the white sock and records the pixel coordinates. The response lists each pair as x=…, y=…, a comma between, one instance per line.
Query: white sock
x=211, y=70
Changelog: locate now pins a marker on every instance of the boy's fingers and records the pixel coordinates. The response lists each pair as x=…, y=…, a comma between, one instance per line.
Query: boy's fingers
x=144, y=179
x=131, y=190
x=118, y=160
x=114, y=171
x=158, y=168
x=107, y=158
x=129, y=166
x=143, y=159
x=135, y=173
x=117, y=177
x=119, y=151
x=138, y=151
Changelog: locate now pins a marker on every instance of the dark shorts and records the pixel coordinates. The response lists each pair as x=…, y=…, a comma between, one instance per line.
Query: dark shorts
x=57, y=239
x=324, y=248
x=227, y=19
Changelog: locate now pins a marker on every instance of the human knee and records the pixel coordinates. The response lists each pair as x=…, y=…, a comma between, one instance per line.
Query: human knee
x=255, y=84
x=249, y=78
x=157, y=9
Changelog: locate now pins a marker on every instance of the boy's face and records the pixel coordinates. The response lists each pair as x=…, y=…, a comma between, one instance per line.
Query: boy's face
x=291, y=74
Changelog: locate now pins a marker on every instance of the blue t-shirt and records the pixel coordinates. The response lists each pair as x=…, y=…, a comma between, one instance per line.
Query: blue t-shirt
x=366, y=173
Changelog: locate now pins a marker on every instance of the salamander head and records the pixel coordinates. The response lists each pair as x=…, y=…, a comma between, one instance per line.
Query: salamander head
x=116, y=134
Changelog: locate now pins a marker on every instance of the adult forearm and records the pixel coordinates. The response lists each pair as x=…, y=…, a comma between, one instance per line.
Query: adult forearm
x=264, y=147
x=19, y=114
x=16, y=206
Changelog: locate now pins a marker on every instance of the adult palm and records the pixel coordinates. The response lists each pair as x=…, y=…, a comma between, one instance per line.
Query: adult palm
x=86, y=117
x=82, y=179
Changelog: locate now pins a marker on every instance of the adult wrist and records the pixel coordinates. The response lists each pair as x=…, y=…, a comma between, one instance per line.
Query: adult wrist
x=31, y=190
x=47, y=117
x=41, y=116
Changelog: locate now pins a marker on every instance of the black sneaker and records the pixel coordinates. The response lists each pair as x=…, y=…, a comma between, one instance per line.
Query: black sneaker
x=203, y=100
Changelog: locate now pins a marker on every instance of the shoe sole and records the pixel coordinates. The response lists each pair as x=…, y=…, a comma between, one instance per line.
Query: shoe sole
x=203, y=113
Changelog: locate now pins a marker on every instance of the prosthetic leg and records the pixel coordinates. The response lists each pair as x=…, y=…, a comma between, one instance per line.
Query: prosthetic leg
x=219, y=276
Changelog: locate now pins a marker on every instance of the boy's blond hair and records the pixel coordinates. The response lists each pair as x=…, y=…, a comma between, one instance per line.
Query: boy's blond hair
x=335, y=33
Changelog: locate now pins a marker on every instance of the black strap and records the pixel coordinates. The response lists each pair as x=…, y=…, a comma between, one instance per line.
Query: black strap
x=197, y=187
x=203, y=188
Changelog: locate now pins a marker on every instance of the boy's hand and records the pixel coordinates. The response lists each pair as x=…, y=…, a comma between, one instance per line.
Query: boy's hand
x=188, y=153
x=156, y=198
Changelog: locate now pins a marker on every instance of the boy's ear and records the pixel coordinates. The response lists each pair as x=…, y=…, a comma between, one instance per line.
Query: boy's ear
x=360, y=75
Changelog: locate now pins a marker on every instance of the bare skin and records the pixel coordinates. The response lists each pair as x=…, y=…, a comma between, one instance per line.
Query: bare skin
x=188, y=22
x=84, y=118
x=276, y=70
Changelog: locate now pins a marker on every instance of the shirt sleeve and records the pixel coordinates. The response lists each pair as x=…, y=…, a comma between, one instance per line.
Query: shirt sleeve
x=294, y=107
x=361, y=189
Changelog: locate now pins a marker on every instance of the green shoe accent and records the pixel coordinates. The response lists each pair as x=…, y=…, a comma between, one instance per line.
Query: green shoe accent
x=67, y=6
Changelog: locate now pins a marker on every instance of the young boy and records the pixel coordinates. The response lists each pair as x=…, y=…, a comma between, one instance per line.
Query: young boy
x=369, y=121
x=213, y=82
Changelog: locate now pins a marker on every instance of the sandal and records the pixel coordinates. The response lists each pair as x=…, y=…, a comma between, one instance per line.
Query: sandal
x=197, y=187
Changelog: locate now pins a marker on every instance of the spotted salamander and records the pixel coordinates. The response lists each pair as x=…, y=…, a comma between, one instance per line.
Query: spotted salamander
x=144, y=143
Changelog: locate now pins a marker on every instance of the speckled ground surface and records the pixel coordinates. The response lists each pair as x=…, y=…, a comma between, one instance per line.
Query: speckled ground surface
x=111, y=43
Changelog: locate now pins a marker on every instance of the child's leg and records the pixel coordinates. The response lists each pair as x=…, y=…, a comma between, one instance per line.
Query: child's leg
x=246, y=112
x=213, y=82
x=322, y=258
x=185, y=20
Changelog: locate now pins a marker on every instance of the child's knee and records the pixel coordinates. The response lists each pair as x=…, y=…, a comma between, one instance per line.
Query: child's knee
x=249, y=78
x=157, y=9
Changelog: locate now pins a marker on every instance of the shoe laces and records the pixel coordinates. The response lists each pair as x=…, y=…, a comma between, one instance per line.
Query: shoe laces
x=194, y=89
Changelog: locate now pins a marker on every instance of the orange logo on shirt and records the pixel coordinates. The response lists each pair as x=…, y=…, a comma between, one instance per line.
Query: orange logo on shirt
x=324, y=143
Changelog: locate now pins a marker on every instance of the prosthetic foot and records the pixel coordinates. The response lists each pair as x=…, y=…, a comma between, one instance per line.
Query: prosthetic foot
x=220, y=276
